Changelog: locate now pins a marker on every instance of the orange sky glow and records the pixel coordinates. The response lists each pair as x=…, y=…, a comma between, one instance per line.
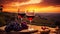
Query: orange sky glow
x=30, y=6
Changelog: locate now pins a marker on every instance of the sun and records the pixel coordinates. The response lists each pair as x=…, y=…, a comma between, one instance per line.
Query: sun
x=32, y=8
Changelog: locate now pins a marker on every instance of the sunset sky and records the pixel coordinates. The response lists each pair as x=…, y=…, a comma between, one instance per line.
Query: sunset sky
x=39, y=6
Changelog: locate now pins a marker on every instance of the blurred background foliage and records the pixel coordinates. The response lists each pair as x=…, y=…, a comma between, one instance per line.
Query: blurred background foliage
x=5, y=18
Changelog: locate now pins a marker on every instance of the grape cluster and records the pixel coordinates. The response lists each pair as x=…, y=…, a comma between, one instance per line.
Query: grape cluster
x=14, y=26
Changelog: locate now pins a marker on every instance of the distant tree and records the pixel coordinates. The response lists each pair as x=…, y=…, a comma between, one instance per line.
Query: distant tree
x=1, y=8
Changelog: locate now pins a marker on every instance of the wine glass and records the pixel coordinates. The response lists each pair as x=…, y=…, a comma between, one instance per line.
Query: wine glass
x=30, y=15
x=21, y=14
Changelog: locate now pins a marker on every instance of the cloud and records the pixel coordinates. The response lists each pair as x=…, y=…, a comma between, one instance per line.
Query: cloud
x=51, y=2
x=10, y=1
x=29, y=2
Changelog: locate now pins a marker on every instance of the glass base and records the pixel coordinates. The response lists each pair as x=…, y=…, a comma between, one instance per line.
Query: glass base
x=30, y=29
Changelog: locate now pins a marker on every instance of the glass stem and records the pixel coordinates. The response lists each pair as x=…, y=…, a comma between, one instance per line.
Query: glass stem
x=21, y=19
x=30, y=21
x=30, y=24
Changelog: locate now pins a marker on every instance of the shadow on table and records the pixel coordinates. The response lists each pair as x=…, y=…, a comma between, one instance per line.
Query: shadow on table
x=29, y=32
x=2, y=30
x=45, y=32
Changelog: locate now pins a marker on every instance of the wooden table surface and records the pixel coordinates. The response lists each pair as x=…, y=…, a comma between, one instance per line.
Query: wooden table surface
x=35, y=28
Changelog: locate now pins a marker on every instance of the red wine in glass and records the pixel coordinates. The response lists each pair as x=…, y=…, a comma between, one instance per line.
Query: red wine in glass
x=21, y=15
x=30, y=17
